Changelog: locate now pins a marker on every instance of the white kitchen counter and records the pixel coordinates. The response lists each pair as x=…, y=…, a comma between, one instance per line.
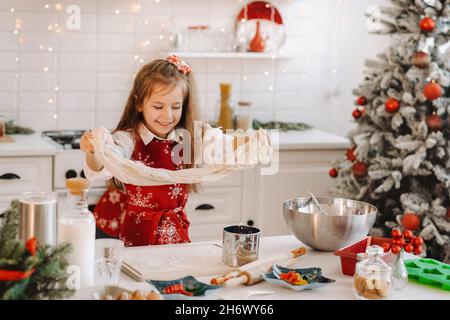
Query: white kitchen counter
x=27, y=145
x=331, y=267
x=312, y=139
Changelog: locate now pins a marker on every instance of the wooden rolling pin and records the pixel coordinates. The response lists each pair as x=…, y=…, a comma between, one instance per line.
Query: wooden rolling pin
x=250, y=273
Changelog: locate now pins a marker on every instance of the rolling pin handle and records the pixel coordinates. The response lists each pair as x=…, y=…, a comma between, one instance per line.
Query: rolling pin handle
x=235, y=281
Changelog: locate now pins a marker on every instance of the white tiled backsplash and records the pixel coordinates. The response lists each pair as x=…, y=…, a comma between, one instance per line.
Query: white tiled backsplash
x=78, y=79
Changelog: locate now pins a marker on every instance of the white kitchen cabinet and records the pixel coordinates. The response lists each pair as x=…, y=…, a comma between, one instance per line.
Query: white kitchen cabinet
x=21, y=174
x=216, y=205
x=299, y=171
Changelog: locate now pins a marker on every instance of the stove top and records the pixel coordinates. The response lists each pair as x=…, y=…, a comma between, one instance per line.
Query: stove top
x=67, y=139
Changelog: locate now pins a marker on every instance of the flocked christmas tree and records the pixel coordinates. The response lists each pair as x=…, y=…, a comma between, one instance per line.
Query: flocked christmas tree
x=400, y=155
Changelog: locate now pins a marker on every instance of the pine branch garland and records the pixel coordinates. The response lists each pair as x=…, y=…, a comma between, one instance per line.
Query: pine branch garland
x=11, y=128
x=282, y=126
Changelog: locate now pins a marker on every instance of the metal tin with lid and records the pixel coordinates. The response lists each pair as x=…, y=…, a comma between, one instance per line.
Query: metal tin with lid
x=240, y=245
x=38, y=217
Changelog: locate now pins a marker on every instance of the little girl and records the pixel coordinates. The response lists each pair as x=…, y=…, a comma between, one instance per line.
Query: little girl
x=163, y=98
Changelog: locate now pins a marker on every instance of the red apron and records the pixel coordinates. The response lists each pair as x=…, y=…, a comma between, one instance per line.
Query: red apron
x=154, y=214
x=110, y=211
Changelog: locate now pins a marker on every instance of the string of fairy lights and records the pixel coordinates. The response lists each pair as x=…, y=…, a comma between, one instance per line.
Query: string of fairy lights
x=140, y=10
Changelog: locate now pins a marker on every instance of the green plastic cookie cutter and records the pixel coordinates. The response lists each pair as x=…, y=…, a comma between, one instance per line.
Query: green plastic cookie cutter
x=429, y=271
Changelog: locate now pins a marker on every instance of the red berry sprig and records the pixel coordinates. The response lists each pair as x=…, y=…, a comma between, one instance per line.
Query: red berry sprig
x=406, y=241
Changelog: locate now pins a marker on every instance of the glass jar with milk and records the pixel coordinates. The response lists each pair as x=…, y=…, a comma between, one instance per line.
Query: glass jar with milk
x=77, y=226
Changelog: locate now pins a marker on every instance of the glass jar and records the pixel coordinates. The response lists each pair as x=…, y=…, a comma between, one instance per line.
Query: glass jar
x=198, y=38
x=373, y=277
x=244, y=119
x=77, y=226
x=224, y=40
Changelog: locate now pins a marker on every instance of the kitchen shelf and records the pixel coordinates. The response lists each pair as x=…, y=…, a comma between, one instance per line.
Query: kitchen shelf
x=230, y=55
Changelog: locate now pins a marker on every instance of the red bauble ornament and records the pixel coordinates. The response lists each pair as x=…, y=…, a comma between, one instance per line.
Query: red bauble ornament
x=421, y=59
x=356, y=114
x=361, y=101
x=350, y=154
x=333, y=173
x=359, y=170
x=359, y=113
x=392, y=105
x=427, y=24
x=410, y=221
x=386, y=246
x=434, y=122
x=432, y=91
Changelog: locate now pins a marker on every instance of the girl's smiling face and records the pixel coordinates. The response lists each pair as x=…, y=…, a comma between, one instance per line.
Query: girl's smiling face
x=162, y=110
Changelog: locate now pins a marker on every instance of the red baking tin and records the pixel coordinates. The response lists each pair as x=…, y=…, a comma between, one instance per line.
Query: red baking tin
x=349, y=254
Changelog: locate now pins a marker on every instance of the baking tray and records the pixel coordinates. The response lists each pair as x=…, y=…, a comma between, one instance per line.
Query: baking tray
x=349, y=254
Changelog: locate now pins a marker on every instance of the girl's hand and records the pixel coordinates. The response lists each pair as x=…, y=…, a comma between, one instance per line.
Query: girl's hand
x=85, y=143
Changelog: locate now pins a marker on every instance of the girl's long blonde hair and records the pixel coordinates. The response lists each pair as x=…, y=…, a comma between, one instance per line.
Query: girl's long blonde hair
x=160, y=72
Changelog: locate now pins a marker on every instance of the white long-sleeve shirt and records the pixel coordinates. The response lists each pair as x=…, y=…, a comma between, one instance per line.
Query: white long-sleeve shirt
x=125, y=142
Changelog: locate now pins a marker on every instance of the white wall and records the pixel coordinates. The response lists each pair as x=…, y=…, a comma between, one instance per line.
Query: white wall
x=84, y=80
x=354, y=45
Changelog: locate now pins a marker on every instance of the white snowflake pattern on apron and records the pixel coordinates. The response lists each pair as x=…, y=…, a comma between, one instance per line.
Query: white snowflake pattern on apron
x=138, y=216
x=167, y=148
x=177, y=209
x=123, y=212
x=127, y=243
x=102, y=223
x=114, y=224
x=145, y=160
x=179, y=166
x=175, y=191
x=114, y=197
x=167, y=232
x=138, y=199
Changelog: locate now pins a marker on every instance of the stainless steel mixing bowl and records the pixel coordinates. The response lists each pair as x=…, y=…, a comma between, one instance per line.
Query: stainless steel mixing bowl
x=342, y=222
